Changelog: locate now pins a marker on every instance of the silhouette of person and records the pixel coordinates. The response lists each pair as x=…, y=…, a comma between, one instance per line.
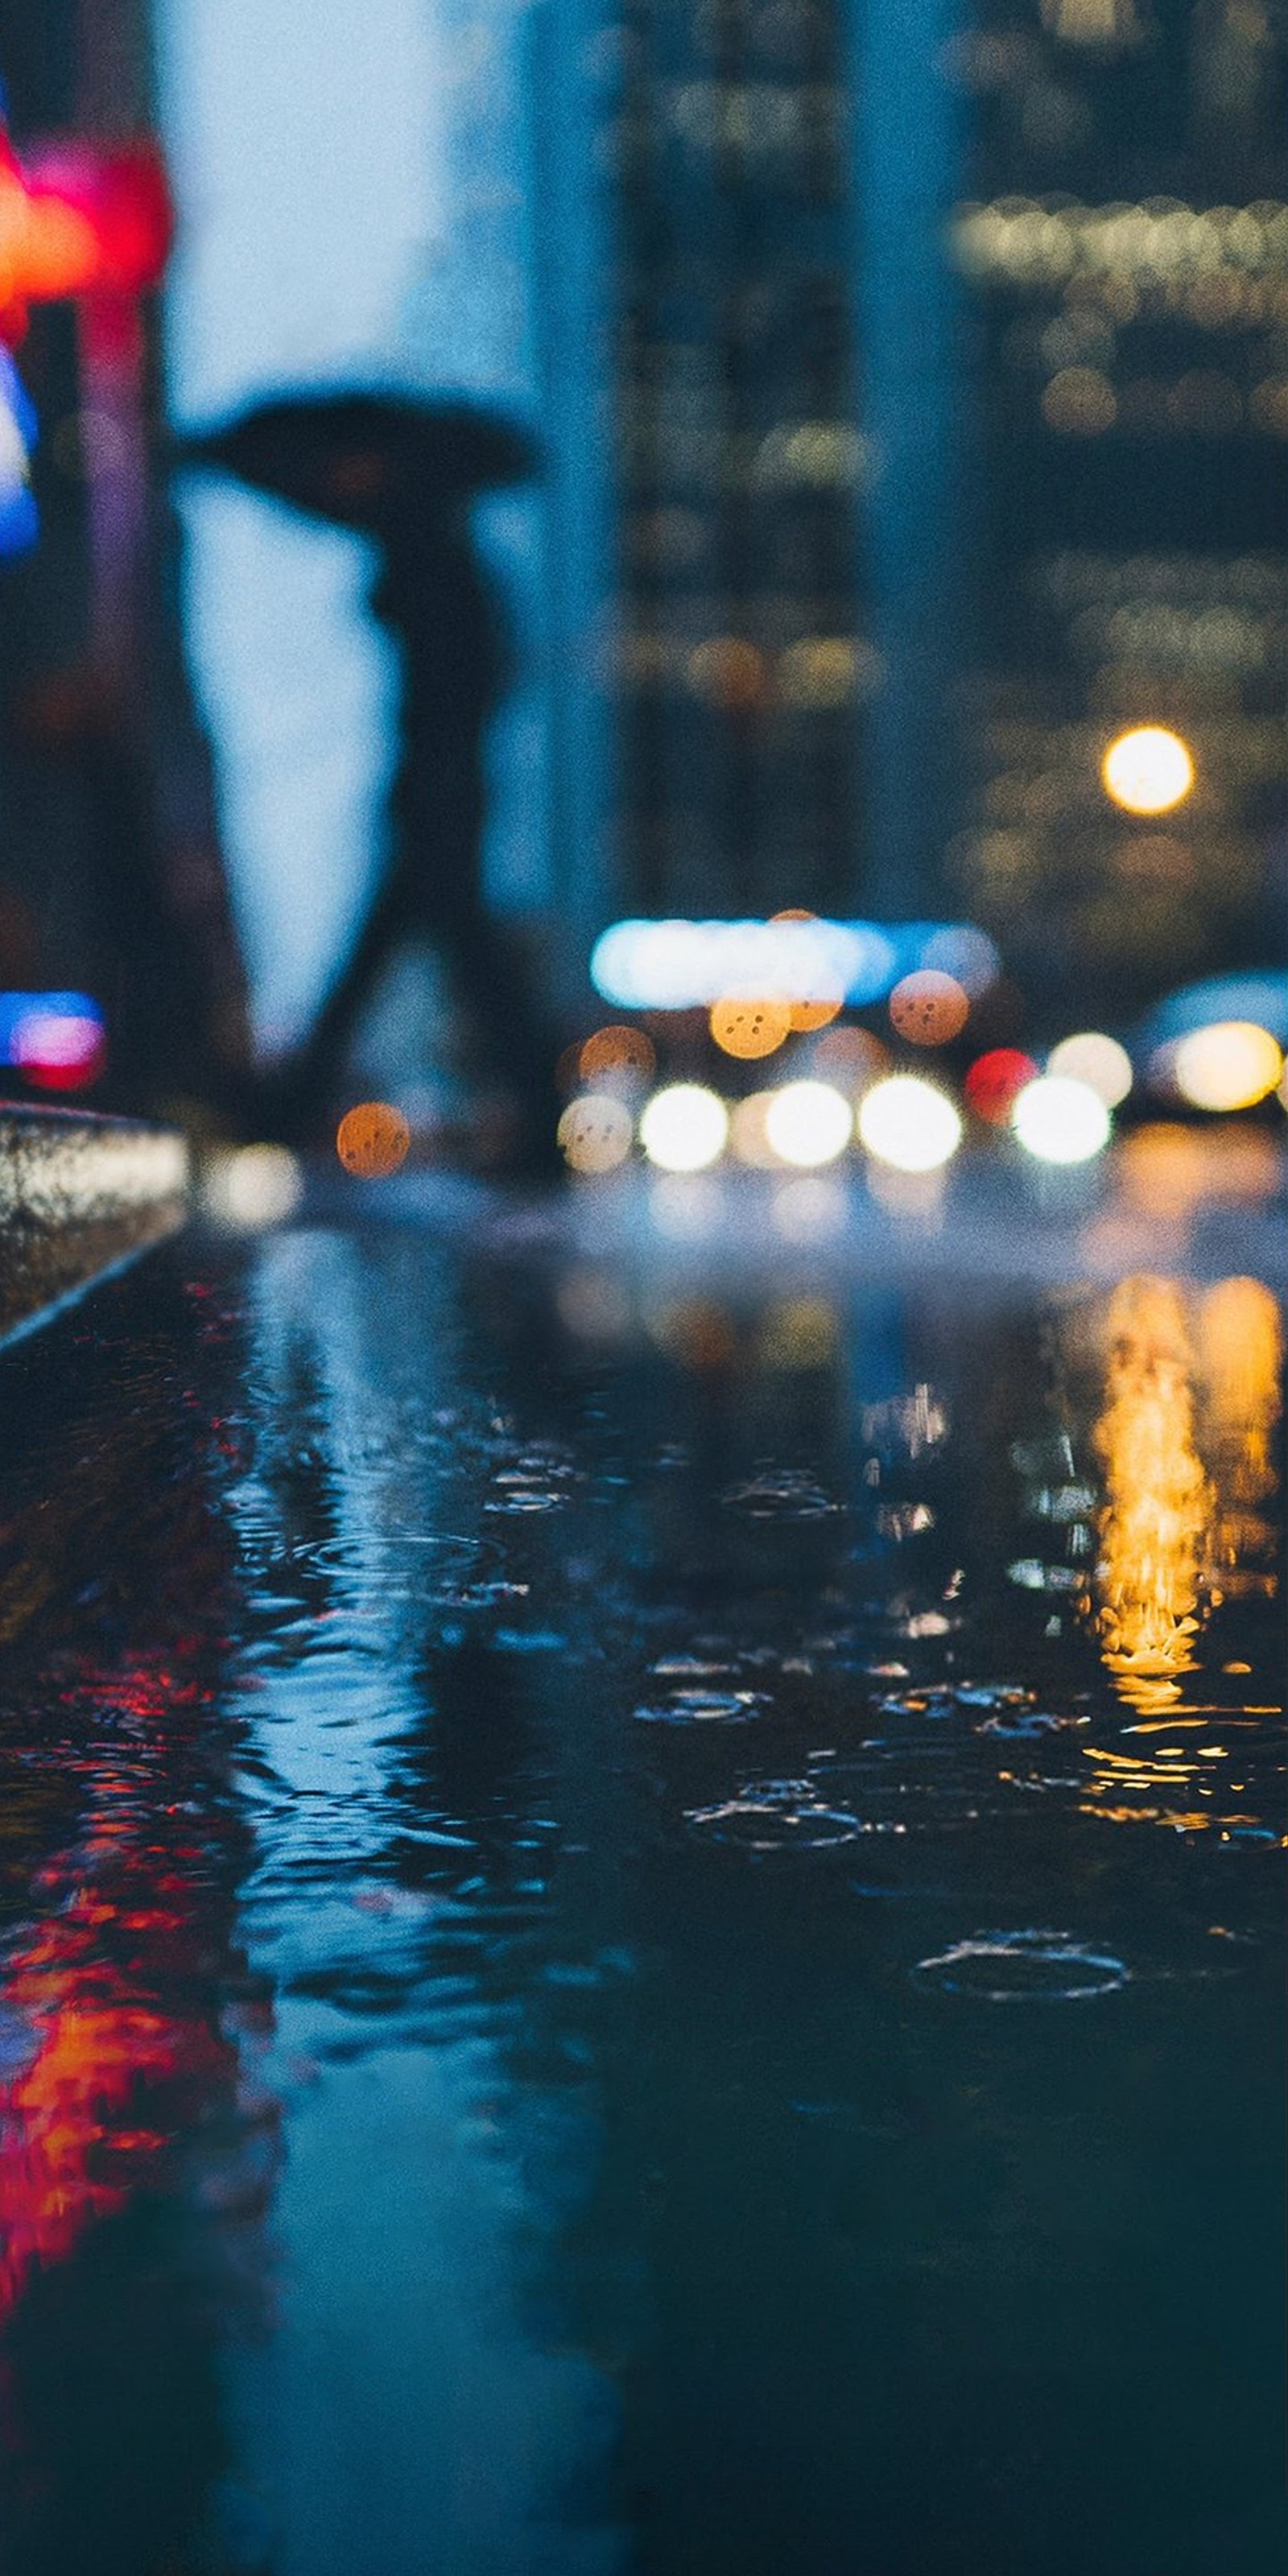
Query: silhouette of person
x=404, y=474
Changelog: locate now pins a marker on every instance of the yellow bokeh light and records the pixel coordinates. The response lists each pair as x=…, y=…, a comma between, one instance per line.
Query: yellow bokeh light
x=1229, y=1065
x=372, y=1140
x=684, y=1128
x=808, y=1016
x=805, y=1017
x=1148, y=770
x=1080, y=402
x=750, y=1029
x=595, y=1132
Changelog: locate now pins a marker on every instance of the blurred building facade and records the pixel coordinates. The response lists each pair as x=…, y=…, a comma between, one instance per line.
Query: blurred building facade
x=940, y=436
x=1124, y=243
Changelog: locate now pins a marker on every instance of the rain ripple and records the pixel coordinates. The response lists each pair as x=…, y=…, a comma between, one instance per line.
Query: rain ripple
x=776, y=1816
x=784, y=1495
x=704, y=1707
x=1023, y=1967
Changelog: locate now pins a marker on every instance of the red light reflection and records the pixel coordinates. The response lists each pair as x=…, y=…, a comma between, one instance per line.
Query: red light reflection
x=103, y=2070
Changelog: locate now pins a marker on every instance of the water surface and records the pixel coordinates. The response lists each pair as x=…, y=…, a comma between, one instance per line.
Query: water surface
x=642, y=1919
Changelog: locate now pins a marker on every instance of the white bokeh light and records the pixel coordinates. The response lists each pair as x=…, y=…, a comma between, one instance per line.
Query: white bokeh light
x=808, y=1123
x=684, y=1128
x=1097, y=1060
x=909, y=1124
x=249, y=1186
x=1060, y=1121
x=1148, y=770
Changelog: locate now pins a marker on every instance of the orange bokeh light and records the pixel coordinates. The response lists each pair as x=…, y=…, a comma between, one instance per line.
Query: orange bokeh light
x=622, y=1051
x=372, y=1140
x=929, y=1008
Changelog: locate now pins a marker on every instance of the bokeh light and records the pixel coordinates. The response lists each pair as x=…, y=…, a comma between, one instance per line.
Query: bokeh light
x=1097, y=1060
x=804, y=1332
x=686, y=1207
x=1058, y=1120
x=594, y=1305
x=684, y=1128
x=750, y=1029
x=808, y=1123
x=929, y=1008
x=595, y=1132
x=1229, y=1065
x=909, y=1123
x=1165, y=1170
x=729, y=673
x=851, y=1058
x=1080, y=402
x=964, y=951
x=806, y=1016
x=372, y=1140
x=808, y=1211
x=18, y=516
x=995, y=1081
x=617, y=1055
x=252, y=1186
x=1148, y=770
x=56, y=1039
x=748, y=1140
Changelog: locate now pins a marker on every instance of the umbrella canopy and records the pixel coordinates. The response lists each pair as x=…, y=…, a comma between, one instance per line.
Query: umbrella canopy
x=363, y=460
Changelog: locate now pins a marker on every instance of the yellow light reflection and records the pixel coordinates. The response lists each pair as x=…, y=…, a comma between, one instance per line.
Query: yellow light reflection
x=1148, y=770
x=1229, y=1065
x=801, y=1334
x=1241, y=1348
x=1158, y=1500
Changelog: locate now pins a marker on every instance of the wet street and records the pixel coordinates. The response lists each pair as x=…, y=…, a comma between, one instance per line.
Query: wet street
x=642, y=1910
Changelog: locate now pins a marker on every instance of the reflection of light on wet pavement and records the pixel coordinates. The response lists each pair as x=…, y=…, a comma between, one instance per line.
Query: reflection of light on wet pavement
x=1241, y=1349
x=1157, y=1497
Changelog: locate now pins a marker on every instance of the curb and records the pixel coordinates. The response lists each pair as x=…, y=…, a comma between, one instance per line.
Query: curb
x=79, y=1195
